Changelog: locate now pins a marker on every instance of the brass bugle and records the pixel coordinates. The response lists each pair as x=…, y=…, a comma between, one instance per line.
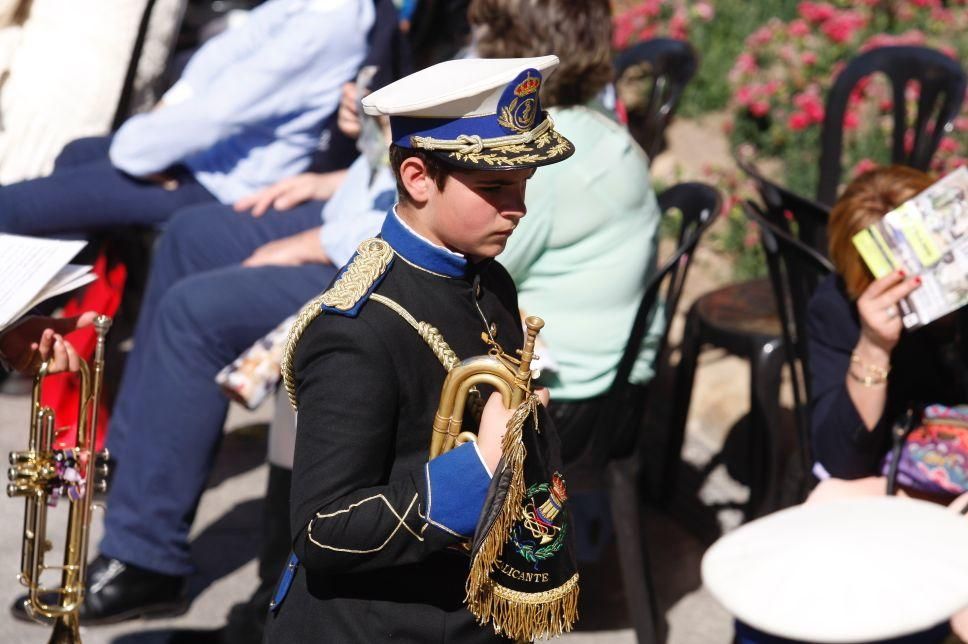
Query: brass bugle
x=510, y=377
x=40, y=474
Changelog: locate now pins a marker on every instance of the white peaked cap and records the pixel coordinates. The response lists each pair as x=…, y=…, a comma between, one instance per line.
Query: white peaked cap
x=849, y=570
x=475, y=113
x=454, y=88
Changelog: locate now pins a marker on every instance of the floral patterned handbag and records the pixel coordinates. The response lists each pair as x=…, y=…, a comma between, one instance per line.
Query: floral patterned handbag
x=254, y=375
x=930, y=452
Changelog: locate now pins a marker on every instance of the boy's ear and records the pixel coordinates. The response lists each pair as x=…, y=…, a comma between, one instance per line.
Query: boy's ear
x=416, y=181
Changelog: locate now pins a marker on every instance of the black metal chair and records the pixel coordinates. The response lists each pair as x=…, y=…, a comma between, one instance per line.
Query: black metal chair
x=942, y=82
x=783, y=206
x=612, y=457
x=795, y=271
x=669, y=65
x=743, y=319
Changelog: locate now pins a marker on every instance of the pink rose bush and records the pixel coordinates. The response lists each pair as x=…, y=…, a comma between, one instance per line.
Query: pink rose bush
x=780, y=82
x=636, y=20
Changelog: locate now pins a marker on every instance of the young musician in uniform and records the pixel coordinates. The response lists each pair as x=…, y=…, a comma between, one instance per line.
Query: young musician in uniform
x=378, y=527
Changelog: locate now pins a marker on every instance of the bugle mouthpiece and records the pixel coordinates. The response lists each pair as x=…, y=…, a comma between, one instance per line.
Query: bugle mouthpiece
x=101, y=324
x=533, y=324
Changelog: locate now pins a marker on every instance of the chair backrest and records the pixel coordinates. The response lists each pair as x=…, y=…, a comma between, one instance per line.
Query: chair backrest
x=782, y=205
x=153, y=49
x=942, y=90
x=699, y=204
x=670, y=65
x=795, y=271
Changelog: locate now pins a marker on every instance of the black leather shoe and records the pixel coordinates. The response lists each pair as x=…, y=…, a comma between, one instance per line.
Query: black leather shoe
x=117, y=592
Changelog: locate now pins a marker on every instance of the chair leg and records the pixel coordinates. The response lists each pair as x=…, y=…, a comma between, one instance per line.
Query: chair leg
x=766, y=371
x=681, y=397
x=632, y=552
x=804, y=455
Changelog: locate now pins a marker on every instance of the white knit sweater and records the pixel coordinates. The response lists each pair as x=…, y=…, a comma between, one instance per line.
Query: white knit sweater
x=63, y=72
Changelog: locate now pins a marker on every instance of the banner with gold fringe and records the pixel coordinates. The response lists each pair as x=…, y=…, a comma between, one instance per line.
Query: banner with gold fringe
x=523, y=577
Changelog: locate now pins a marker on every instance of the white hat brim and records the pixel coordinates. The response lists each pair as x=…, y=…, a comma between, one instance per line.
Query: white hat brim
x=850, y=570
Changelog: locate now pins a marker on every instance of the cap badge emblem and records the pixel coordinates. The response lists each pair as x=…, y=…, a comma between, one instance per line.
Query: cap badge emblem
x=519, y=106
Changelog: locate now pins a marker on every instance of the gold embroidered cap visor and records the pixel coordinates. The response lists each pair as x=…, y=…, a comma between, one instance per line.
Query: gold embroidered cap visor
x=481, y=114
x=547, y=147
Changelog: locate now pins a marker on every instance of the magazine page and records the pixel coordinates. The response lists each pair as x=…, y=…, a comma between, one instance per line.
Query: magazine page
x=926, y=236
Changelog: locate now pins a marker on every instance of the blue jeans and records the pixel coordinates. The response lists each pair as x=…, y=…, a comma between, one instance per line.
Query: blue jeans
x=85, y=194
x=201, y=310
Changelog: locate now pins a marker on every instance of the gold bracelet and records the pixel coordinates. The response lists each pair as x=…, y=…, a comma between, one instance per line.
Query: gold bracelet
x=868, y=380
x=870, y=369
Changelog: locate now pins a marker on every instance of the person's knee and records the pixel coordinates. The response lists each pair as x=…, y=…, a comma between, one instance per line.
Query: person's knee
x=177, y=317
x=187, y=235
x=16, y=211
x=194, y=312
x=84, y=150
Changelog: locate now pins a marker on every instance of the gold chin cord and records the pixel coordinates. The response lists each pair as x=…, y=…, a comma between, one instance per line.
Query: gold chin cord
x=41, y=475
x=509, y=376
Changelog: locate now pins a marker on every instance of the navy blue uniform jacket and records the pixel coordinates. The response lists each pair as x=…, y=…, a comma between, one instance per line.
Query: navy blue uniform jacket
x=375, y=525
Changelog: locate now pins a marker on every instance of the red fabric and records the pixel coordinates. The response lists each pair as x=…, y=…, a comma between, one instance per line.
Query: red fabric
x=61, y=391
x=620, y=112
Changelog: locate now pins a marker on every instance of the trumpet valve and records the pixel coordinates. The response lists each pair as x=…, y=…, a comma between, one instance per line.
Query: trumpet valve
x=17, y=474
x=20, y=488
x=18, y=458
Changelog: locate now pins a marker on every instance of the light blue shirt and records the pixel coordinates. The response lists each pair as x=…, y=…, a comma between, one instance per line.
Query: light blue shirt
x=251, y=105
x=357, y=210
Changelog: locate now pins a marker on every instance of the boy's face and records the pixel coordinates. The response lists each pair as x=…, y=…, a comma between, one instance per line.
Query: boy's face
x=477, y=210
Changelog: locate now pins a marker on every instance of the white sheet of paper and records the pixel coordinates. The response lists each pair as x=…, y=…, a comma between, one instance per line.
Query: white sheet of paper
x=33, y=269
x=69, y=278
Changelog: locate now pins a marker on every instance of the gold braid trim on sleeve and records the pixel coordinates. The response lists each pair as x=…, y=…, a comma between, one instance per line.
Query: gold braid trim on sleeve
x=370, y=262
x=306, y=315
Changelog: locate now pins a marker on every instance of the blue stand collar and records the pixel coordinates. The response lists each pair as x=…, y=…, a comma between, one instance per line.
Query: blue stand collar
x=419, y=251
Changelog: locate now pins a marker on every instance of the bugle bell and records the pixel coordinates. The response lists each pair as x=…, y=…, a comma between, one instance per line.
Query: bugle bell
x=511, y=377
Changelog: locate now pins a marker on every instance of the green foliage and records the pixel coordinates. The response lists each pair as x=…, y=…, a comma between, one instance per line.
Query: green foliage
x=781, y=79
x=739, y=238
x=719, y=42
x=771, y=64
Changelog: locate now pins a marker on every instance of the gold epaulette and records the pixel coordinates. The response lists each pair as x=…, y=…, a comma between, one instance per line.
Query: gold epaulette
x=364, y=270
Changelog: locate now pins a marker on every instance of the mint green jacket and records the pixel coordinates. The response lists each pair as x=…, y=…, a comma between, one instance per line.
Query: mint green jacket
x=582, y=253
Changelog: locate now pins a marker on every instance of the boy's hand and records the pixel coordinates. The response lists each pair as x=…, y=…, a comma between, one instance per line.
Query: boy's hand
x=494, y=422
